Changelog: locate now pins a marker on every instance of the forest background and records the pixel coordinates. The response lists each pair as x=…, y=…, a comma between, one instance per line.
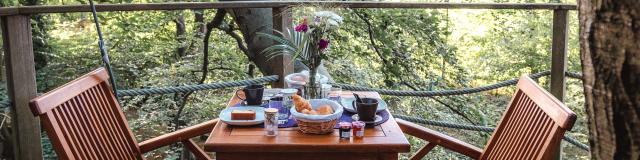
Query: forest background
x=400, y=49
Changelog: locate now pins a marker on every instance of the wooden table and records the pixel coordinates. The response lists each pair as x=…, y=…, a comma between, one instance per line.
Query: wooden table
x=233, y=142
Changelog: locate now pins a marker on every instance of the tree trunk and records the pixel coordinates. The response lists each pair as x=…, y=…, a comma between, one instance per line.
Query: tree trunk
x=251, y=21
x=181, y=36
x=610, y=54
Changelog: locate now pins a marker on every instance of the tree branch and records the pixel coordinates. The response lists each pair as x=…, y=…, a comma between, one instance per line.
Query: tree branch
x=228, y=29
x=217, y=20
x=371, y=36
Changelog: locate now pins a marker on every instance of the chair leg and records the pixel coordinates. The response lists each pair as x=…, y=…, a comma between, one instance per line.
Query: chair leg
x=193, y=147
x=423, y=151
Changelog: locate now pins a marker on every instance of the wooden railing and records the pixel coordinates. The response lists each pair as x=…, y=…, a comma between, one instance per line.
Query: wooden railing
x=20, y=67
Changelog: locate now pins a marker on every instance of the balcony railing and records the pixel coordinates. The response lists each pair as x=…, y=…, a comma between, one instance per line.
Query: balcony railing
x=17, y=38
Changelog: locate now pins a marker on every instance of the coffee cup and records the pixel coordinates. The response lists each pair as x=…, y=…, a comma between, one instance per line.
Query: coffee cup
x=366, y=109
x=252, y=94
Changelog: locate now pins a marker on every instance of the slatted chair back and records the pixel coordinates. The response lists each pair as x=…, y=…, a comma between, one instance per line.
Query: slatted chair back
x=532, y=126
x=84, y=121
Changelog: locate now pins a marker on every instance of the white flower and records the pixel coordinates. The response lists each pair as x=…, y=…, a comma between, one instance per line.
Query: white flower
x=331, y=18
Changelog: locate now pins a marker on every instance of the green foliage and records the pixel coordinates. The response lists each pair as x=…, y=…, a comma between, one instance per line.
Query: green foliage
x=403, y=49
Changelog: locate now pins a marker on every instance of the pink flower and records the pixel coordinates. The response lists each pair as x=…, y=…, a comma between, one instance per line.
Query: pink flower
x=323, y=44
x=304, y=27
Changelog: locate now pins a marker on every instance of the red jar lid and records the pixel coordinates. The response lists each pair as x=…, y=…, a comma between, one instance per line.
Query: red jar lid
x=344, y=125
x=358, y=124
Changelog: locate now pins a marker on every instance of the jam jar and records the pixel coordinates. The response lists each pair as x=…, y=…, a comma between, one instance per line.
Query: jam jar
x=345, y=130
x=357, y=128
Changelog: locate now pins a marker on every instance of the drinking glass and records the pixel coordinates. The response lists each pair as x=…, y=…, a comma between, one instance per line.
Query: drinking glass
x=283, y=112
x=270, y=124
x=335, y=93
x=287, y=97
x=326, y=88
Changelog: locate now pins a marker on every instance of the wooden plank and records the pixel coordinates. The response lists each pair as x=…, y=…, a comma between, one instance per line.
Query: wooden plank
x=282, y=64
x=440, y=139
x=197, y=152
x=559, y=59
x=21, y=83
x=277, y=4
x=423, y=151
x=388, y=156
x=70, y=90
x=318, y=155
x=559, y=53
x=180, y=135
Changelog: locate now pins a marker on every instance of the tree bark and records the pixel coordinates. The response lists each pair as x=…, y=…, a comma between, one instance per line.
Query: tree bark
x=253, y=20
x=181, y=36
x=610, y=54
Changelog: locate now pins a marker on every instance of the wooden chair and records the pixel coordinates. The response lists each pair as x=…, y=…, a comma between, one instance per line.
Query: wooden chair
x=531, y=128
x=84, y=121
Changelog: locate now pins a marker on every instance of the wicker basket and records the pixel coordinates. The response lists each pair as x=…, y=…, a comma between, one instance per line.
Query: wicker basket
x=317, y=127
x=318, y=124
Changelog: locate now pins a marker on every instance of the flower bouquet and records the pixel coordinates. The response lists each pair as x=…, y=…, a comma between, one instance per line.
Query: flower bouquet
x=308, y=42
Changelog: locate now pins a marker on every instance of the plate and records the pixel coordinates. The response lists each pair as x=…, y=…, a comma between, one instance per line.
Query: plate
x=348, y=104
x=225, y=116
x=377, y=119
x=265, y=103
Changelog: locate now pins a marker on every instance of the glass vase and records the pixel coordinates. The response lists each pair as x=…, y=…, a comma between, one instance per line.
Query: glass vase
x=312, y=91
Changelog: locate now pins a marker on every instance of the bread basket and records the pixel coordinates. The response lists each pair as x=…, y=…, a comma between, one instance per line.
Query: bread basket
x=318, y=124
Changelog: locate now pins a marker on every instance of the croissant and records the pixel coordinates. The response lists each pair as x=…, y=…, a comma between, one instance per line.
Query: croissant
x=325, y=110
x=300, y=103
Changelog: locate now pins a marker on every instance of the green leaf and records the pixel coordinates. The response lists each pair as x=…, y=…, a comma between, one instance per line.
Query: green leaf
x=275, y=38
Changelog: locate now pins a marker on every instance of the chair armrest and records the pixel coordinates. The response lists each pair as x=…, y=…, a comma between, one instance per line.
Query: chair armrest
x=439, y=139
x=177, y=136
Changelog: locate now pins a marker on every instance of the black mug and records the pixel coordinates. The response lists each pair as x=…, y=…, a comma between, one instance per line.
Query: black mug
x=367, y=109
x=252, y=94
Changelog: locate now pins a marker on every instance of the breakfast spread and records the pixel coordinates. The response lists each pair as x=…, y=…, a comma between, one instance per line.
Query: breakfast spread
x=243, y=115
x=303, y=106
x=310, y=116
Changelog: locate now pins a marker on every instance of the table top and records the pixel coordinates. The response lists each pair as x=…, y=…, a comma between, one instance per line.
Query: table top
x=386, y=137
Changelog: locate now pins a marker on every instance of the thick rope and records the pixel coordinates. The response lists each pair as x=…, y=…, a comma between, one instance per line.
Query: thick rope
x=449, y=92
x=573, y=75
x=442, y=92
x=5, y=103
x=197, y=87
x=103, y=52
x=475, y=128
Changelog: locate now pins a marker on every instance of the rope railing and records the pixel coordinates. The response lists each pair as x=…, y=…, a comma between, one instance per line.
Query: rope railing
x=573, y=75
x=450, y=92
x=197, y=87
x=261, y=80
x=475, y=128
x=5, y=103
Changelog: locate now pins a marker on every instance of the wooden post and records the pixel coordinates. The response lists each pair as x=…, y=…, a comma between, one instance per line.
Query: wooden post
x=284, y=63
x=21, y=83
x=559, y=58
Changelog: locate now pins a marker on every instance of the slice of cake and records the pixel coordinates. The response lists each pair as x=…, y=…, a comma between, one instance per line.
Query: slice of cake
x=243, y=114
